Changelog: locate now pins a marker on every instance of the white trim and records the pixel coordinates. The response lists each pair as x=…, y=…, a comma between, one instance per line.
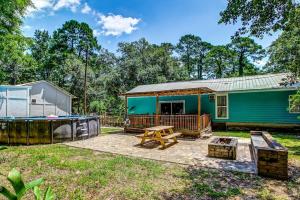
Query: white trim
x=172, y=101
x=296, y=112
x=227, y=106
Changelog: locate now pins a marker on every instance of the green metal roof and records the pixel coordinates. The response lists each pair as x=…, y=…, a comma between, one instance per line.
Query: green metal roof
x=258, y=82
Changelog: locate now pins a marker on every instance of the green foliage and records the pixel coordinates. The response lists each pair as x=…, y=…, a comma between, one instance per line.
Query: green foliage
x=218, y=61
x=295, y=102
x=246, y=50
x=144, y=63
x=49, y=195
x=20, y=188
x=285, y=51
x=97, y=106
x=15, y=61
x=11, y=13
x=40, y=52
x=258, y=17
x=3, y=147
x=192, y=51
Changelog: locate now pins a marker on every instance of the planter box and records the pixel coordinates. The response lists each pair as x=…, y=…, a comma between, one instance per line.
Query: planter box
x=271, y=158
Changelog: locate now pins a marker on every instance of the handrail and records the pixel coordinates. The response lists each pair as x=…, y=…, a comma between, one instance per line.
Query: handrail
x=189, y=122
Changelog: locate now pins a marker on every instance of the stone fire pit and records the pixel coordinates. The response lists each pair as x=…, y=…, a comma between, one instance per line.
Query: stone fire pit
x=223, y=147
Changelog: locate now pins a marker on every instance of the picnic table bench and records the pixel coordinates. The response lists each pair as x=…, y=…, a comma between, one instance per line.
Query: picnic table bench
x=161, y=134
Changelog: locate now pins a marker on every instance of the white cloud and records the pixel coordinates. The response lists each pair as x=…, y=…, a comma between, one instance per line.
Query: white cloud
x=52, y=5
x=26, y=27
x=96, y=33
x=117, y=25
x=86, y=9
x=39, y=5
x=71, y=4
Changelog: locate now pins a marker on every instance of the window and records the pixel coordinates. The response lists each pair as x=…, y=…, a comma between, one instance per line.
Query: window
x=293, y=106
x=172, y=107
x=222, y=106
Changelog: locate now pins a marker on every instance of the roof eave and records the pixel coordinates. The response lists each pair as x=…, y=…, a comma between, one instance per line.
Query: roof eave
x=190, y=91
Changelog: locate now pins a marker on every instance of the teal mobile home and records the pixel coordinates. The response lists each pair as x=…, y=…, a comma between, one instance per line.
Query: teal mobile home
x=250, y=101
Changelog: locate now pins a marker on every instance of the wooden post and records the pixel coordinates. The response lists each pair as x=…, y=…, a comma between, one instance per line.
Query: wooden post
x=27, y=136
x=126, y=113
x=72, y=130
x=199, y=112
x=126, y=107
x=51, y=131
x=157, y=111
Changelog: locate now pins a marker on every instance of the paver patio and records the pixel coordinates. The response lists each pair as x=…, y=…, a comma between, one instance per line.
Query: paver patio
x=189, y=152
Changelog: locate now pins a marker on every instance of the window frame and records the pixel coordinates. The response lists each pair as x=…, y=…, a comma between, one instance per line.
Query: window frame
x=216, y=105
x=291, y=112
x=175, y=101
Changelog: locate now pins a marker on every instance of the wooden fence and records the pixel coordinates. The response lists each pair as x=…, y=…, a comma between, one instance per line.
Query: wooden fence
x=111, y=121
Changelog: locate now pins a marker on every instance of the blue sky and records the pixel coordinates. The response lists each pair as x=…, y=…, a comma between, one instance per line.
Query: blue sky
x=115, y=21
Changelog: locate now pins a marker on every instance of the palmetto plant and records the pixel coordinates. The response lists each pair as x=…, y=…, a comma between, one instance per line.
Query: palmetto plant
x=2, y=147
x=47, y=196
x=20, y=188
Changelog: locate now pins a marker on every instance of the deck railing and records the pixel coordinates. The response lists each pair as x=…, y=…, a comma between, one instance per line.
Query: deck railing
x=188, y=122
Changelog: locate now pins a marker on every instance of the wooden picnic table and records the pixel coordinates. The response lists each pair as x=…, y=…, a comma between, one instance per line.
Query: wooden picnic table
x=161, y=134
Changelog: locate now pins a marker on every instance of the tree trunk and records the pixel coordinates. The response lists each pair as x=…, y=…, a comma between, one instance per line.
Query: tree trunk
x=219, y=72
x=241, y=64
x=85, y=82
x=200, y=69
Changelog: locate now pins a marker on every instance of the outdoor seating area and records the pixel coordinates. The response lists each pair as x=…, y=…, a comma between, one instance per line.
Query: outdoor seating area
x=161, y=134
x=187, y=151
x=260, y=154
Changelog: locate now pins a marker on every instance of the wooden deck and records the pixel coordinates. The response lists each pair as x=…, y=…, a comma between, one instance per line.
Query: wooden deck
x=185, y=123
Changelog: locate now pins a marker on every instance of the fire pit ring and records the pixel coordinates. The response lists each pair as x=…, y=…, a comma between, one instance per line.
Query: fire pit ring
x=223, y=147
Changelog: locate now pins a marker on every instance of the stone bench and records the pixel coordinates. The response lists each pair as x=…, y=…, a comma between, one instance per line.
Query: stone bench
x=271, y=158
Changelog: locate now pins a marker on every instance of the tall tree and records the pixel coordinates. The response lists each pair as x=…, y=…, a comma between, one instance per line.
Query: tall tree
x=202, y=49
x=285, y=51
x=73, y=38
x=143, y=63
x=40, y=52
x=246, y=50
x=187, y=49
x=258, y=17
x=11, y=13
x=218, y=61
x=14, y=58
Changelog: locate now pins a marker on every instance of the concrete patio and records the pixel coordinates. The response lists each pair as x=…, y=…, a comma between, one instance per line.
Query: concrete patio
x=188, y=152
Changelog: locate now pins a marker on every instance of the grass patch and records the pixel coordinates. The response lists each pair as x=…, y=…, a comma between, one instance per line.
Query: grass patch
x=292, y=142
x=241, y=134
x=107, y=130
x=83, y=174
x=265, y=194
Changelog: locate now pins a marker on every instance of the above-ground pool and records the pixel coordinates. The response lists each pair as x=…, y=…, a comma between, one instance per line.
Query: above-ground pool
x=43, y=130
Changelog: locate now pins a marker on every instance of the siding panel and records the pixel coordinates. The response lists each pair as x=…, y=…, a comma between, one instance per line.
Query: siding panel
x=260, y=107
